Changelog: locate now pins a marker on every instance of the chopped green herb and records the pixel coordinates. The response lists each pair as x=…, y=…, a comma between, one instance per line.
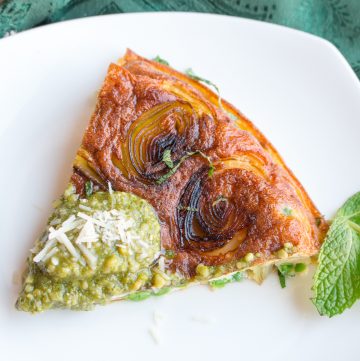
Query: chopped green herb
x=166, y=158
x=222, y=282
x=169, y=253
x=211, y=170
x=285, y=270
x=173, y=170
x=139, y=296
x=211, y=165
x=162, y=291
x=232, y=116
x=287, y=211
x=281, y=279
x=238, y=276
x=318, y=221
x=189, y=72
x=337, y=278
x=89, y=188
x=160, y=60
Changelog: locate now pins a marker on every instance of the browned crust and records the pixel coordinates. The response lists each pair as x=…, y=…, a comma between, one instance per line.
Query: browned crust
x=242, y=122
x=256, y=188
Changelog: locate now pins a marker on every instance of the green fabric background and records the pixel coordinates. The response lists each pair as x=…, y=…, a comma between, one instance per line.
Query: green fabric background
x=335, y=20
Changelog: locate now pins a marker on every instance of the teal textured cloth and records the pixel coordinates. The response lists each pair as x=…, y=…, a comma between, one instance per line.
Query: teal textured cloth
x=335, y=20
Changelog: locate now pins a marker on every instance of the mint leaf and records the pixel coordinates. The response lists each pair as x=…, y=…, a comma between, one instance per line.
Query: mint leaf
x=160, y=60
x=166, y=158
x=238, y=276
x=337, y=278
x=173, y=169
x=285, y=270
x=287, y=211
x=190, y=73
x=282, y=279
x=89, y=188
x=222, y=282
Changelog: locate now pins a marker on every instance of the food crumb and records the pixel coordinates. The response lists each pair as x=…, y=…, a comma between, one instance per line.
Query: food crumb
x=155, y=334
x=203, y=319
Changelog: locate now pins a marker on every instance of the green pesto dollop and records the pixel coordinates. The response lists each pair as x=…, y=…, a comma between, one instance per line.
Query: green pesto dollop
x=119, y=263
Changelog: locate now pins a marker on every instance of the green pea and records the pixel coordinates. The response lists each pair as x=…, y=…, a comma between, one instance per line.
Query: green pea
x=300, y=267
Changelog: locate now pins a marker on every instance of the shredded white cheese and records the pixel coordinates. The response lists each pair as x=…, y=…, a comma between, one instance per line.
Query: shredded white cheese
x=91, y=219
x=112, y=227
x=63, y=238
x=50, y=254
x=49, y=244
x=90, y=258
x=87, y=234
x=85, y=208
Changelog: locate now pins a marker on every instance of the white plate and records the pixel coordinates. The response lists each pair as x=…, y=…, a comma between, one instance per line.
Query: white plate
x=296, y=88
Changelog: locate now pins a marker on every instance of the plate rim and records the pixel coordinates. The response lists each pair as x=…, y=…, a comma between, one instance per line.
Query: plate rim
x=94, y=18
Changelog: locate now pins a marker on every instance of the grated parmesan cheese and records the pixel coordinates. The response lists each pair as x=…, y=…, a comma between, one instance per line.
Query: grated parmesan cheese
x=50, y=254
x=91, y=219
x=49, y=244
x=112, y=227
x=85, y=208
x=90, y=258
x=87, y=234
x=63, y=238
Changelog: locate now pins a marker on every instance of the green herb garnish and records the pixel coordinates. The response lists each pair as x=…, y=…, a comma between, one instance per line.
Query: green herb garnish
x=89, y=188
x=337, y=278
x=169, y=253
x=139, y=296
x=160, y=60
x=232, y=116
x=222, y=282
x=285, y=270
x=173, y=170
x=238, y=276
x=189, y=72
x=162, y=291
x=166, y=158
x=287, y=211
x=211, y=170
x=282, y=279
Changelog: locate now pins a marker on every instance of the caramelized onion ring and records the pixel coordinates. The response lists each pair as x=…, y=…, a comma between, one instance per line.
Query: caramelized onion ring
x=172, y=126
x=215, y=212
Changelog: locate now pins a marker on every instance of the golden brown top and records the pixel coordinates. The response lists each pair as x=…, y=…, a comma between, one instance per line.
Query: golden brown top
x=218, y=186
